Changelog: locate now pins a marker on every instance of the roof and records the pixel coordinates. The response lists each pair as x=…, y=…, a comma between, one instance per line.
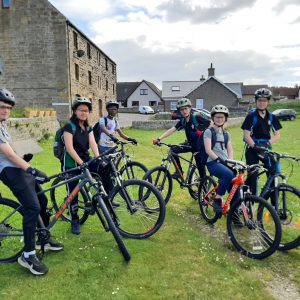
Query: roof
x=125, y=89
x=250, y=89
x=155, y=89
x=237, y=87
x=185, y=88
x=285, y=91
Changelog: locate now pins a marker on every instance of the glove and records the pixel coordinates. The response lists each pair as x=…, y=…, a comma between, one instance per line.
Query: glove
x=27, y=157
x=156, y=141
x=114, y=139
x=39, y=175
x=221, y=161
x=134, y=141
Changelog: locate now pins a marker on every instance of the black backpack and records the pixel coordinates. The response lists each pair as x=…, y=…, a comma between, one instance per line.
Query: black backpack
x=97, y=129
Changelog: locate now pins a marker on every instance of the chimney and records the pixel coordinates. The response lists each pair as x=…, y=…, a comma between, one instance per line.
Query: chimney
x=202, y=78
x=211, y=70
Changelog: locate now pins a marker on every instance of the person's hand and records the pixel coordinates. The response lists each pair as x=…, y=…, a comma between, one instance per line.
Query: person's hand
x=261, y=150
x=221, y=160
x=134, y=141
x=39, y=175
x=156, y=141
x=27, y=157
x=113, y=138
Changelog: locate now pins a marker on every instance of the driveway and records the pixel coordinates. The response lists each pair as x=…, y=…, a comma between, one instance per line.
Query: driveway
x=126, y=119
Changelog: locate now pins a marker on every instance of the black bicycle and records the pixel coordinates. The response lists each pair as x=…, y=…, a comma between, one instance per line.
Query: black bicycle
x=11, y=216
x=141, y=211
x=161, y=177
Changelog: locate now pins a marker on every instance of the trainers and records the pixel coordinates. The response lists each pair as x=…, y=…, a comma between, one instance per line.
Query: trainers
x=50, y=244
x=218, y=205
x=115, y=203
x=75, y=226
x=33, y=263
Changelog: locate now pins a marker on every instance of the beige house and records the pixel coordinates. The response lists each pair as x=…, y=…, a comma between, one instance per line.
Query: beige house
x=47, y=60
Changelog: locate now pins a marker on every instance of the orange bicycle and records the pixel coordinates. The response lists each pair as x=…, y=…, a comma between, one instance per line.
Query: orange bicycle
x=253, y=225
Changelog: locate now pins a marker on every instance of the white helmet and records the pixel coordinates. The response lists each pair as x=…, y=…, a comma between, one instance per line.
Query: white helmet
x=219, y=109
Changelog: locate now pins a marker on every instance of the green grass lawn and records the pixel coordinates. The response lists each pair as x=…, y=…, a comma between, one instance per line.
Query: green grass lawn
x=186, y=259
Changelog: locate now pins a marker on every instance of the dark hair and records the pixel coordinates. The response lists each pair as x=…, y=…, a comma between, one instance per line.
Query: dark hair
x=75, y=120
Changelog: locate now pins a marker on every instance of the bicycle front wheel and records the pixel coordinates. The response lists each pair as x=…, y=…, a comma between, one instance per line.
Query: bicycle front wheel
x=193, y=182
x=254, y=227
x=289, y=214
x=161, y=178
x=59, y=195
x=133, y=170
x=112, y=227
x=11, y=230
x=142, y=209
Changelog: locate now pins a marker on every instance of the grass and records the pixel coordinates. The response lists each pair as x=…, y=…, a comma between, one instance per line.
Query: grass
x=186, y=259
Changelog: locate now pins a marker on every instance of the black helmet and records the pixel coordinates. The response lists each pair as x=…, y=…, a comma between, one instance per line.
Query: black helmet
x=7, y=97
x=263, y=93
x=81, y=100
x=112, y=103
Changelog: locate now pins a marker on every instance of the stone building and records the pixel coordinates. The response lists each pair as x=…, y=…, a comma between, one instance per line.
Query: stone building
x=47, y=60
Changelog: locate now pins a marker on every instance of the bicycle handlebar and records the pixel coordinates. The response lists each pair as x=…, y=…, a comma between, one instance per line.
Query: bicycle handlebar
x=279, y=155
x=240, y=165
x=188, y=147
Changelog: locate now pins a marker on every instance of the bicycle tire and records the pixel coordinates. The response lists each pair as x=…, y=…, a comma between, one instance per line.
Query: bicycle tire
x=289, y=214
x=193, y=182
x=161, y=178
x=11, y=220
x=112, y=227
x=259, y=233
x=58, y=196
x=147, y=205
x=205, y=200
x=133, y=170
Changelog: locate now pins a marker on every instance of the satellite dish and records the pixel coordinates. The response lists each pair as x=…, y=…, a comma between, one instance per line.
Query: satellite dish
x=80, y=53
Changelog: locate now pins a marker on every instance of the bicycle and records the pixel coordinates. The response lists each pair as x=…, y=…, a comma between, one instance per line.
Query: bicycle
x=11, y=216
x=141, y=210
x=128, y=168
x=161, y=177
x=253, y=225
x=285, y=199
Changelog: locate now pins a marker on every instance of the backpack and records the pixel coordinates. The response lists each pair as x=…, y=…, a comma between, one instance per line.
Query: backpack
x=195, y=122
x=59, y=145
x=97, y=129
x=255, y=119
x=201, y=147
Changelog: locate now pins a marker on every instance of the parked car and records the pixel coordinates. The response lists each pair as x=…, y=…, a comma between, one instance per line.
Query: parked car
x=175, y=115
x=145, y=110
x=285, y=114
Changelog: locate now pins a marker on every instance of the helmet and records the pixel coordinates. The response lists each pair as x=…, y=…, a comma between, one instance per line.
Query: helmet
x=263, y=93
x=219, y=109
x=183, y=102
x=112, y=103
x=81, y=100
x=7, y=96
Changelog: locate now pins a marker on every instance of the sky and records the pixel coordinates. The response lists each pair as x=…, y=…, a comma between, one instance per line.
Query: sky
x=249, y=41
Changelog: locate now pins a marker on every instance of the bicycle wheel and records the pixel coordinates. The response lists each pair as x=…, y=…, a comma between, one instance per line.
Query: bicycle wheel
x=112, y=227
x=254, y=227
x=161, y=178
x=205, y=199
x=133, y=170
x=142, y=209
x=289, y=214
x=193, y=182
x=59, y=195
x=11, y=230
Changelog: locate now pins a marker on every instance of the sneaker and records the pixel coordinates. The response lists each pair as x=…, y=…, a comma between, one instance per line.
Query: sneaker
x=75, y=226
x=115, y=203
x=33, y=263
x=218, y=205
x=50, y=244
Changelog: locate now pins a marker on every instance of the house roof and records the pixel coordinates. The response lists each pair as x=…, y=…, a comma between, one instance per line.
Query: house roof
x=237, y=87
x=185, y=88
x=250, y=89
x=285, y=91
x=155, y=89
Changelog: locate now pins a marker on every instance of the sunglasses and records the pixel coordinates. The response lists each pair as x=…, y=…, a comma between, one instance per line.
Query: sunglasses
x=6, y=107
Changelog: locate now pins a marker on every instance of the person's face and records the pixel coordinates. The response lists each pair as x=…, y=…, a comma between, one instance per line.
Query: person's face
x=185, y=111
x=112, y=110
x=262, y=103
x=82, y=112
x=219, y=119
x=5, y=109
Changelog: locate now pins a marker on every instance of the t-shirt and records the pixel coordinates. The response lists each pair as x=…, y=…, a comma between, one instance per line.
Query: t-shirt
x=262, y=128
x=80, y=143
x=112, y=126
x=5, y=137
x=218, y=148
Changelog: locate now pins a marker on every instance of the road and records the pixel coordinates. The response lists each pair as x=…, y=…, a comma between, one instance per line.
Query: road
x=126, y=119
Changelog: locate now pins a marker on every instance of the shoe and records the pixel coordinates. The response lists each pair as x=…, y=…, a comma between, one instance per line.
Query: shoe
x=50, y=244
x=75, y=226
x=33, y=263
x=176, y=175
x=218, y=206
x=115, y=203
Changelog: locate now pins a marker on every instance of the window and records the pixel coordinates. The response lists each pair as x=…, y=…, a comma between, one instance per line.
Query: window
x=143, y=91
x=135, y=103
x=88, y=50
x=99, y=82
x=106, y=64
x=152, y=103
x=175, y=88
x=76, y=72
x=90, y=77
x=199, y=103
x=75, y=40
x=98, y=58
x=5, y=3
x=106, y=85
x=173, y=105
x=113, y=87
x=112, y=68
